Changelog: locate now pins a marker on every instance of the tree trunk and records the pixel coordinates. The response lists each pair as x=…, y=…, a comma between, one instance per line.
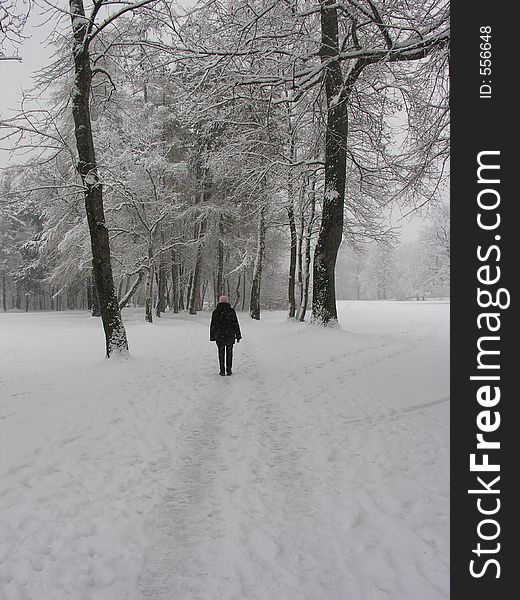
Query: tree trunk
x=96, y=310
x=254, y=305
x=292, y=263
x=175, y=282
x=202, y=295
x=220, y=260
x=133, y=288
x=120, y=286
x=244, y=282
x=331, y=229
x=115, y=334
x=161, y=283
x=292, y=225
x=300, y=258
x=195, y=286
x=148, y=297
x=306, y=270
x=181, y=271
x=89, y=294
x=4, y=292
x=237, y=291
x=188, y=294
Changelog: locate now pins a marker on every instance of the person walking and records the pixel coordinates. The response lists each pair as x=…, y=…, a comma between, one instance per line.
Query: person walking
x=224, y=330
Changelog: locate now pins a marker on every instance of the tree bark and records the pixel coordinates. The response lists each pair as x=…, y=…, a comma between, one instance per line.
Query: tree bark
x=161, y=283
x=254, y=305
x=4, y=292
x=89, y=293
x=306, y=270
x=292, y=263
x=96, y=311
x=195, y=286
x=120, y=286
x=331, y=229
x=115, y=334
x=291, y=293
x=237, y=291
x=188, y=294
x=148, y=297
x=202, y=295
x=300, y=258
x=175, y=282
x=220, y=260
x=244, y=282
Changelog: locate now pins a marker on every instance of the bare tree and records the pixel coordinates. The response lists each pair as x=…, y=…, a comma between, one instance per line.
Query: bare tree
x=84, y=32
x=359, y=45
x=254, y=306
x=13, y=19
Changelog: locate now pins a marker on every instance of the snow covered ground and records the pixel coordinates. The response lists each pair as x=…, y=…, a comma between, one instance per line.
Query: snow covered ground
x=318, y=471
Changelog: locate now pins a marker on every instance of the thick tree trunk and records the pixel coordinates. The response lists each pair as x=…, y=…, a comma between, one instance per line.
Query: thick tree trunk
x=254, y=305
x=115, y=335
x=331, y=229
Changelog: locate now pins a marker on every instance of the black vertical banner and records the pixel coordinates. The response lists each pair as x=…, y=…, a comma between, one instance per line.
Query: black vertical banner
x=485, y=439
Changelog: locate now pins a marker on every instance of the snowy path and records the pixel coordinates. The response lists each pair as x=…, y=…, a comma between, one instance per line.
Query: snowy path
x=318, y=470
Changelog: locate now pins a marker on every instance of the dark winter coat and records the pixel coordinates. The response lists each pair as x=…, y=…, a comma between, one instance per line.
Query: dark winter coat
x=224, y=327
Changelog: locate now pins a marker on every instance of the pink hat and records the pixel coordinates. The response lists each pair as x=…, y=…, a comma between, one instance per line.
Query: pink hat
x=224, y=299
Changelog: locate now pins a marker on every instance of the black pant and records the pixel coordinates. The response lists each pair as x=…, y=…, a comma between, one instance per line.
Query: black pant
x=225, y=352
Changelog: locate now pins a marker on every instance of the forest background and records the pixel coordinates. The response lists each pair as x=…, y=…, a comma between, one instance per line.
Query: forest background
x=266, y=150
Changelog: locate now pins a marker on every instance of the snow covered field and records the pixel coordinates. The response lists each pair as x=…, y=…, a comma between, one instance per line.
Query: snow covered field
x=318, y=471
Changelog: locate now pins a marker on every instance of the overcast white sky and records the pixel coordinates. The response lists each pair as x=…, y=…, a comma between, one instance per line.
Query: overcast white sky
x=17, y=76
